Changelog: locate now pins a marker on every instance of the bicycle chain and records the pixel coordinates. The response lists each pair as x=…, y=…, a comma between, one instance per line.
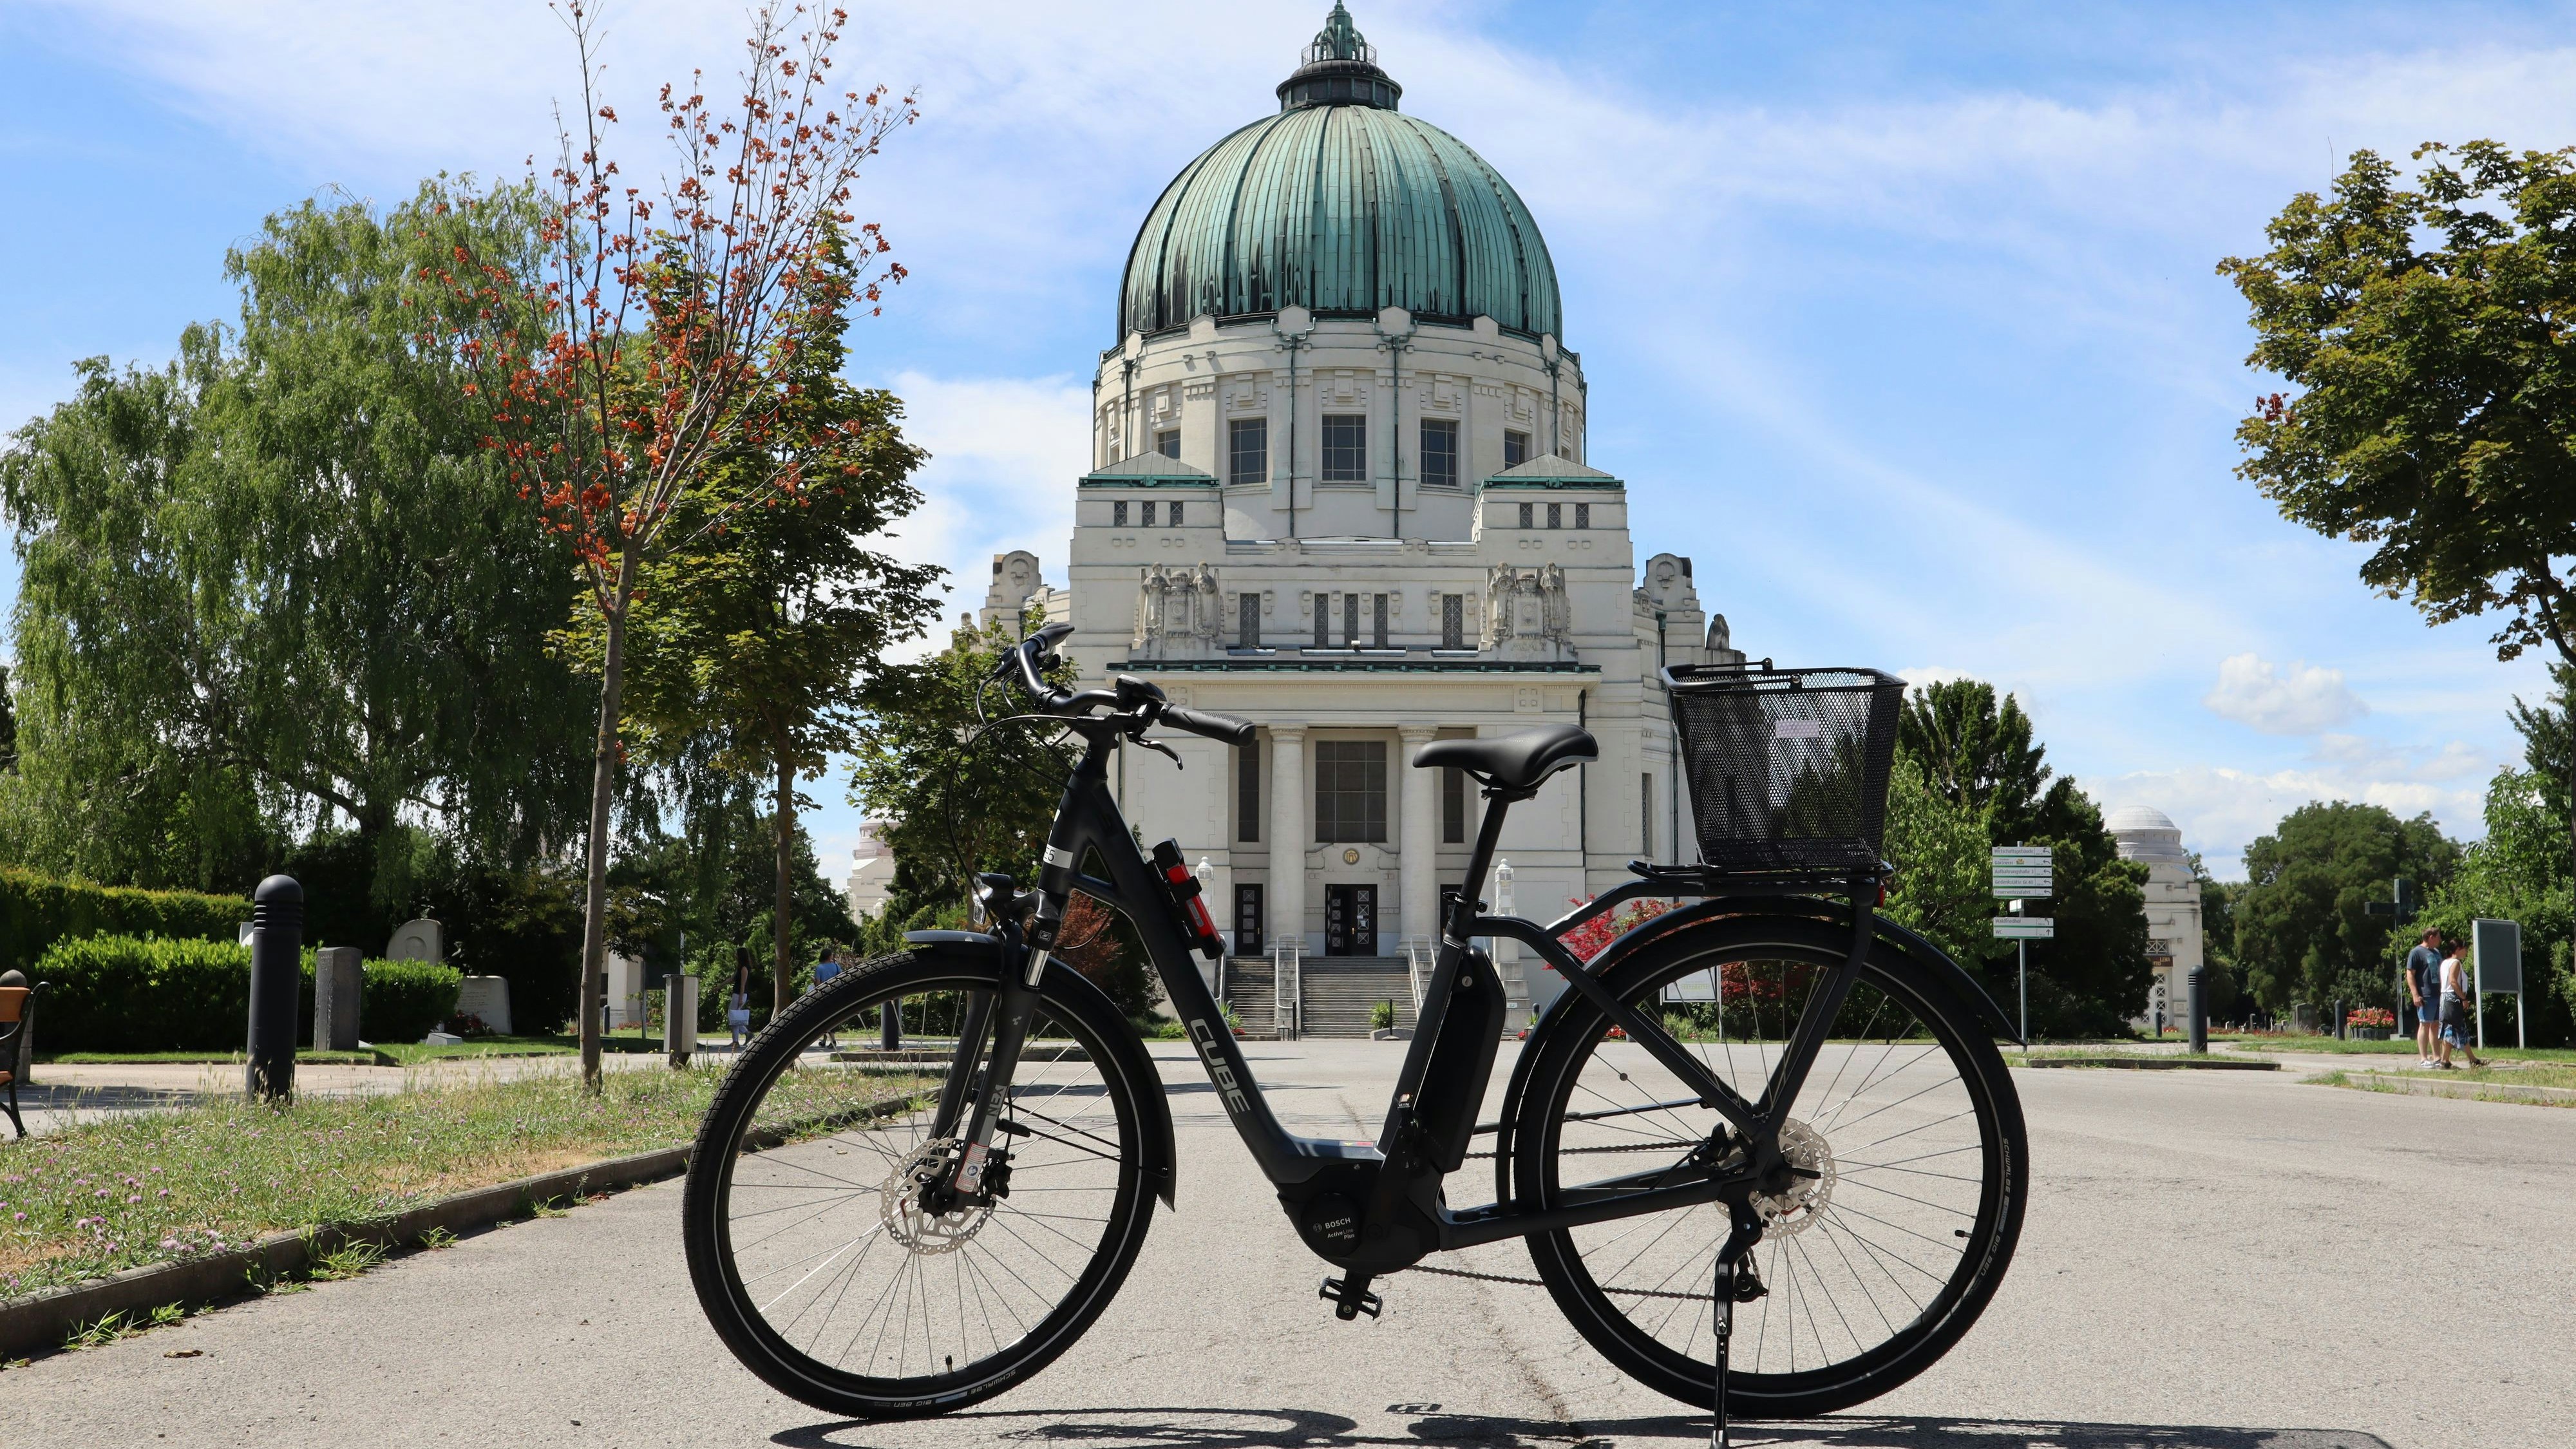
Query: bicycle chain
x=1537, y=1283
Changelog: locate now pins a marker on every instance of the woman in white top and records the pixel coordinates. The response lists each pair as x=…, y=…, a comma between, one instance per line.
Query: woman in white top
x=2455, y=1012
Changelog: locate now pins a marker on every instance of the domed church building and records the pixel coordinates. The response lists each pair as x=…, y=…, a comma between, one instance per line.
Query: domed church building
x=1340, y=487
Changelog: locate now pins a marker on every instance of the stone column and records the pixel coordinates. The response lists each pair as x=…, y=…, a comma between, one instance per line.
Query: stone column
x=1288, y=832
x=1418, y=840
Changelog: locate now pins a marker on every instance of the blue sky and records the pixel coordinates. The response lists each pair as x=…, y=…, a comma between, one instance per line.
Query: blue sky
x=1899, y=319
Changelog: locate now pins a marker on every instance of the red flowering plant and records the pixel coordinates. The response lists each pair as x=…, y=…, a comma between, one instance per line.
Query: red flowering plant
x=2370, y=1016
x=649, y=334
x=1594, y=936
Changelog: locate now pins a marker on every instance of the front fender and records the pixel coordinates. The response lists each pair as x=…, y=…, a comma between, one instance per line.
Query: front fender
x=1073, y=991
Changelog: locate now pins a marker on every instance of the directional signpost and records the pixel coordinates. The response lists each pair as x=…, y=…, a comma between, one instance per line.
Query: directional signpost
x=2023, y=873
x=2400, y=909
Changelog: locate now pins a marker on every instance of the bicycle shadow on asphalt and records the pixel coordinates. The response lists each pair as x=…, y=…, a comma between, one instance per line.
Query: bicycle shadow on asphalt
x=1424, y=1424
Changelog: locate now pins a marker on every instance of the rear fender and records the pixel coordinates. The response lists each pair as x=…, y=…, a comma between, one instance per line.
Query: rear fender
x=1074, y=991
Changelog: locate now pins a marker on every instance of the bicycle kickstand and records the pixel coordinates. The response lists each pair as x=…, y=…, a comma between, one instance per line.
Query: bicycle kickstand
x=1735, y=1283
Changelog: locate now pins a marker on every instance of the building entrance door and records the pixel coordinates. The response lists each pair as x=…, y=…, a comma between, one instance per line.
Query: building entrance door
x=1350, y=920
x=1247, y=919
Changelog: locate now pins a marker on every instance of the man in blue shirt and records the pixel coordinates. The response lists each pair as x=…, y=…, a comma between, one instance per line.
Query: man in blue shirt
x=2424, y=986
x=824, y=971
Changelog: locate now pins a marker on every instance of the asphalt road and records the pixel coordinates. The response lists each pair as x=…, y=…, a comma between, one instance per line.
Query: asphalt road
x=2212, y=1261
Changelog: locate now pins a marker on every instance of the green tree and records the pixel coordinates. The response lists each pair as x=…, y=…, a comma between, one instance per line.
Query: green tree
x=632, y=351
x=280, y=584
x=1939, y=849
x=759, y=628
x=2519, y=873
x=2426, y=331
x=1978, y=753
x=2303, y=930
x=959, y=799
x=2218, y=939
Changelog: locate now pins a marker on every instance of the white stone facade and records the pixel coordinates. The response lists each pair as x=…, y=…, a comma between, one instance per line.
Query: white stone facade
x=2147, y=836
x=871, y=871
x=1356, y=619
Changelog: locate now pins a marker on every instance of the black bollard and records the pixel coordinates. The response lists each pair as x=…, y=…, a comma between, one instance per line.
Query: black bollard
x=2196, y=1002
x=276, y=971
x=890, y=1024
x=2340, y=1033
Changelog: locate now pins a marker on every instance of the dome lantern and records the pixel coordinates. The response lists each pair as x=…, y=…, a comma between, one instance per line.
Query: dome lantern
x=1340, y=70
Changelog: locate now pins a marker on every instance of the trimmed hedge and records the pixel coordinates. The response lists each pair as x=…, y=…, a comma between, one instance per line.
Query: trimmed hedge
x=38, y=910
x=152, y=994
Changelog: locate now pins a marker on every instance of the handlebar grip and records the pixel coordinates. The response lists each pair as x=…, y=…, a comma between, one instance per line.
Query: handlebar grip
x=1224, y=727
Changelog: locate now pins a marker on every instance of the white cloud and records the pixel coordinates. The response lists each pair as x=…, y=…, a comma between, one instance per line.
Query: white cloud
x=1004, y=452
x=2221, y=809
x=2302, y=699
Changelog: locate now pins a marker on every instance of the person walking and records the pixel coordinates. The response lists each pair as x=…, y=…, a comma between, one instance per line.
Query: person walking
x=2424, y=988
x=2455, y=1010
x=825, y=971
x=738, y=1007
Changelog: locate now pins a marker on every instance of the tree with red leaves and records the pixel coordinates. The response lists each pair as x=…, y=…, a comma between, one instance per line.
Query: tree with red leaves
x=655, y=330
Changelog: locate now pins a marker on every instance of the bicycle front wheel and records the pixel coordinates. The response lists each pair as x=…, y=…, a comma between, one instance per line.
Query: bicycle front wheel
x=811, y=1245
x=1874, y=1264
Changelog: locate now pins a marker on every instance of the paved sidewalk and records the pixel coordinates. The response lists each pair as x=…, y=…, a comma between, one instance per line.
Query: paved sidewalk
x=2208, y=1265
x=63, y=1093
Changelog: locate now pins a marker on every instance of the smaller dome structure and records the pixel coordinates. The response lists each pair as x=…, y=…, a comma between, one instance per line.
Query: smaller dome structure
x=2146, y=833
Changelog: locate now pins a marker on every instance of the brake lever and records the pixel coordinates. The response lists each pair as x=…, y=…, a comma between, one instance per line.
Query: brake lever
x=1158, y=747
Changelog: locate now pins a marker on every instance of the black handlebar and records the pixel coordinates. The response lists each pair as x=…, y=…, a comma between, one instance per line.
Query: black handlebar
x=1147, y=701
x=1221, y=727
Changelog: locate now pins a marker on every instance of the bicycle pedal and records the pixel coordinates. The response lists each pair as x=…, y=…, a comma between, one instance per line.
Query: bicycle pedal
x=1348, y=1302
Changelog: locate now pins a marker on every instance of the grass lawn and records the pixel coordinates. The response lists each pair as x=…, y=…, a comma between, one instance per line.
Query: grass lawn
x=157, y=1186
x=2491, y=1086
x=2326, y=1045
x=2544, y=1074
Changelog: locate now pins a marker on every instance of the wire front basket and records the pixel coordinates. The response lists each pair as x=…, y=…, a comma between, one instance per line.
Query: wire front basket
x=1787, y=767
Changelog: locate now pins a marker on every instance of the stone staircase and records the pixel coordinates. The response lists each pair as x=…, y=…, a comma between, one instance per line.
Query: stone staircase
x=1341, y=990
x=1252, y=989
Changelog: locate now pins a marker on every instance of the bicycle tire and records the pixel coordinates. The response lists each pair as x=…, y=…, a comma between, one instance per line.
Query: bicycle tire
x=1575, y=1034
x=733, y=1134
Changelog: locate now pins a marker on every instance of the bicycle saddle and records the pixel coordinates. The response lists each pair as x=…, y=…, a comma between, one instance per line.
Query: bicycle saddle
x=1514, y=762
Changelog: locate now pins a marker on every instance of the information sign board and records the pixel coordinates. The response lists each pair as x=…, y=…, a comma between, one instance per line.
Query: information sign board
x=2024, y=928
x=2495, y=950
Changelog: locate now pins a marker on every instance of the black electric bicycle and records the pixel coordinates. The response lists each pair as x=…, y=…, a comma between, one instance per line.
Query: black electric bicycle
x=1762, y=1147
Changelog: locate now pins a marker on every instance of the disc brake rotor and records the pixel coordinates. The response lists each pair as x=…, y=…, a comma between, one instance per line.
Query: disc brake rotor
x=899, y=1203
x=1796, y=1207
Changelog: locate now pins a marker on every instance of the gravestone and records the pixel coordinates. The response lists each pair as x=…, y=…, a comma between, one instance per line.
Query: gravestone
x=488, y=999
x=419, y=940
x=336, y=986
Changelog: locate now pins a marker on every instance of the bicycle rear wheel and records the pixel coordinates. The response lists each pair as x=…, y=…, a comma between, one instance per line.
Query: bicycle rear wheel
x=810, y=1244
x=1875, y=1266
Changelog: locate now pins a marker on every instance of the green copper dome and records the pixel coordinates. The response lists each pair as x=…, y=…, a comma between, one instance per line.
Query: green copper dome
x=1342, y=205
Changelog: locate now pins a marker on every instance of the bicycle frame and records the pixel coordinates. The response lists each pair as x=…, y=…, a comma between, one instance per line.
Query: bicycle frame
x=1398, y=1171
